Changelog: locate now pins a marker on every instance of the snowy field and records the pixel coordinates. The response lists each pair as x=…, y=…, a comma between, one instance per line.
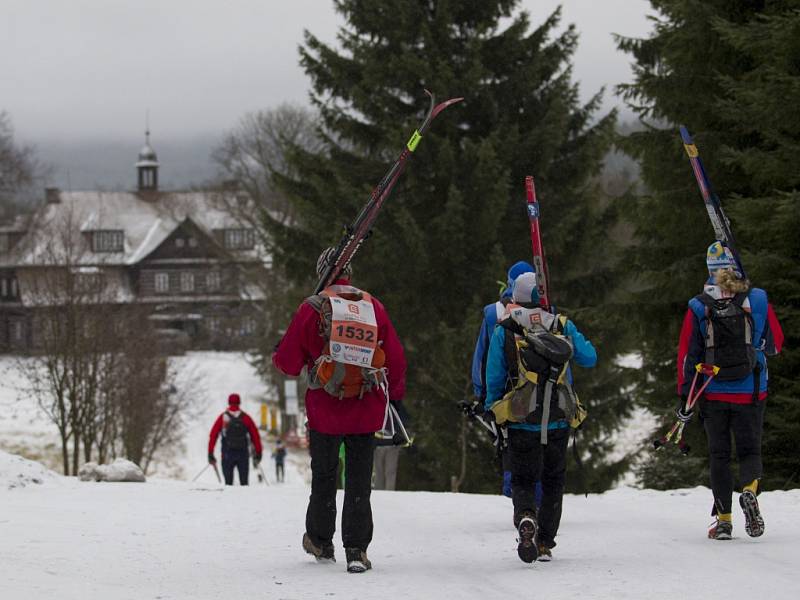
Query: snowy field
x=63, y=539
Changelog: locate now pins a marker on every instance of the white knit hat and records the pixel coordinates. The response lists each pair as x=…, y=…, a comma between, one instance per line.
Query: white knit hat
x=525, y=289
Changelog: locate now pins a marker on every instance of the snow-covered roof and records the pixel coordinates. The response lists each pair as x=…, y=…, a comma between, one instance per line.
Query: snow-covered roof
x=146, y=219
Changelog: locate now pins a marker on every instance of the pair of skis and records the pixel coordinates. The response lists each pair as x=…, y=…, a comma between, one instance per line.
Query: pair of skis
x=720, y=223
x=539, y=261
x=359, y=230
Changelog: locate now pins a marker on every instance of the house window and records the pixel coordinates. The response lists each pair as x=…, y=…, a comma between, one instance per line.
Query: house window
x=213, y=281
x=4, y=242
x=87, y=283
x=192, y=242
x=248, y=326
x=179, y=242
x=107, y=241
x=187, y=281
x=14, y=288
x=162, y=283
x=3, y=287
x=17, y=331
x=214, y=324
x=239, y=239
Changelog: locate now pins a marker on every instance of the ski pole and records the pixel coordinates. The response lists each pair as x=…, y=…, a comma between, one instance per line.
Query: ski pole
x=261, y=475
x=675, y=433
x=196, y=477
x=216, y=472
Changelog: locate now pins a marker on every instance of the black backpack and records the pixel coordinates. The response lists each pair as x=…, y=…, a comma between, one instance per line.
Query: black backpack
x=729, y=337
x=236, y=435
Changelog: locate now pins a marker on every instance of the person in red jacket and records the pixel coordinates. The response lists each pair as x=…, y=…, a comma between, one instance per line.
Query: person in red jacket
x=236, y=427
x=356, y=365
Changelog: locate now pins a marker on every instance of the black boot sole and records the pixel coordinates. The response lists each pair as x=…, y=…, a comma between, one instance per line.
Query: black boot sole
x=527, y=550
x=753, y=521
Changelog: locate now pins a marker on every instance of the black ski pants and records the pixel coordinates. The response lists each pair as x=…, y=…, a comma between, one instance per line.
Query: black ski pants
x=745, y=422
x=279, y=472
x=356, y=511
x=235, y=459
x=532, y=462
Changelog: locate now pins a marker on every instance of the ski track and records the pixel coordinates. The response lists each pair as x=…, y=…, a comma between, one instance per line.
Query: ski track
x=175, y=540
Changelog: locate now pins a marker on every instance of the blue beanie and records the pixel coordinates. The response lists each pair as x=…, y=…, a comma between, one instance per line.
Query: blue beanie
x=517, y=269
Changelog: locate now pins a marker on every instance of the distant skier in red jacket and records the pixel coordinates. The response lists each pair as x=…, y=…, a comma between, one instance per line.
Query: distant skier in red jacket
x=356, y=364
x=236, y=426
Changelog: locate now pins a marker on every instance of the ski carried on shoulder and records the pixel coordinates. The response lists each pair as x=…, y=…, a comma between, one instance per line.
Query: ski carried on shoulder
x=359, y=230
x=539, y=260
x=721, y=224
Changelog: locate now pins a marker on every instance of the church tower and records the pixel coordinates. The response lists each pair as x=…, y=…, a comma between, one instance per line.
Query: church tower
x=147, y=166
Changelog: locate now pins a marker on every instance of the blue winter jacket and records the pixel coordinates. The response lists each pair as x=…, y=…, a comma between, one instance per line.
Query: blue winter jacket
x=584, y=355
x=490, y=318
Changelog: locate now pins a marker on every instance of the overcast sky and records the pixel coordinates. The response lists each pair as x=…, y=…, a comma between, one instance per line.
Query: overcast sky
x=89, y=68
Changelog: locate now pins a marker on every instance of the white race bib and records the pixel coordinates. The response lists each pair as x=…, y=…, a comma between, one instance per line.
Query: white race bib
x=354, y=331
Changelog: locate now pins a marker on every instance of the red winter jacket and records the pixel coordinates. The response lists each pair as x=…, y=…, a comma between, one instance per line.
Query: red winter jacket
x=302, y=345
x=222, y=422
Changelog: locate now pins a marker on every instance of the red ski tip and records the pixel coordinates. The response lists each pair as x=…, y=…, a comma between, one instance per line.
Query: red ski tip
x=442, y=105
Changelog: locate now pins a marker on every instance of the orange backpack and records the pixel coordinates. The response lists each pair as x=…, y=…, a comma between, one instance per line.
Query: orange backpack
x=338, y=378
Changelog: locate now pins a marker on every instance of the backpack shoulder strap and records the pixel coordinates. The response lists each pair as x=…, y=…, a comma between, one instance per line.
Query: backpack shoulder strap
x=510, y=349
x=560, y=324
x=705, y=300
x=316, y=301
x=739, y=299
x=511, y=325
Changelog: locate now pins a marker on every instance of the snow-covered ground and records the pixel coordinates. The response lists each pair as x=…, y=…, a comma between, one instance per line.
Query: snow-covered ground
x=66, y=539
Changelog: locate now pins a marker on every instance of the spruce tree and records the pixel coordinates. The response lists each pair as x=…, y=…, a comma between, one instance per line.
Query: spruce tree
x=761, y=107
x=457, y=219
x=698, y=69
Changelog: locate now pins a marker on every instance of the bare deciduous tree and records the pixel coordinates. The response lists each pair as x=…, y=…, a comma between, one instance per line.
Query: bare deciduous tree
x=251, y=156
x=95, y=369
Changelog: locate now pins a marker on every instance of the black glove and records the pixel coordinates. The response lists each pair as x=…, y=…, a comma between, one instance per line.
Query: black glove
x=471, y=409
x=682, y=413
x=257, y=459
x=211, y=459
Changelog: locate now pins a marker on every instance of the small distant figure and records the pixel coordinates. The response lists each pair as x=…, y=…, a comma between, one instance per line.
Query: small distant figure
x=279, y=455
x=235, y=426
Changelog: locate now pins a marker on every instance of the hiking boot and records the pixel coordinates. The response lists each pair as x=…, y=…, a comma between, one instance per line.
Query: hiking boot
x=720, y=530
x=527, y=549
x=323, y=552
x=753, y=521
x=545, y=555
x=357, y=561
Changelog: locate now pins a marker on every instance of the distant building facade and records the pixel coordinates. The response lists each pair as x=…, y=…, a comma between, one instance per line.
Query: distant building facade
x=182, y=255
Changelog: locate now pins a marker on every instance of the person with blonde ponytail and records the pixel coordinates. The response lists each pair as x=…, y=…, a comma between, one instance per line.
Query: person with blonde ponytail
x=730, y=326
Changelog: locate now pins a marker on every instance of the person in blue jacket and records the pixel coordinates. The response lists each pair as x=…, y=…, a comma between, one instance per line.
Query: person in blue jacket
x=734, y=400
x=492, y=313
x=534, y=454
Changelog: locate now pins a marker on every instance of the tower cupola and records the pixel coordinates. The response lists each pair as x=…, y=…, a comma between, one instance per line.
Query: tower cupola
x=147, y=166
